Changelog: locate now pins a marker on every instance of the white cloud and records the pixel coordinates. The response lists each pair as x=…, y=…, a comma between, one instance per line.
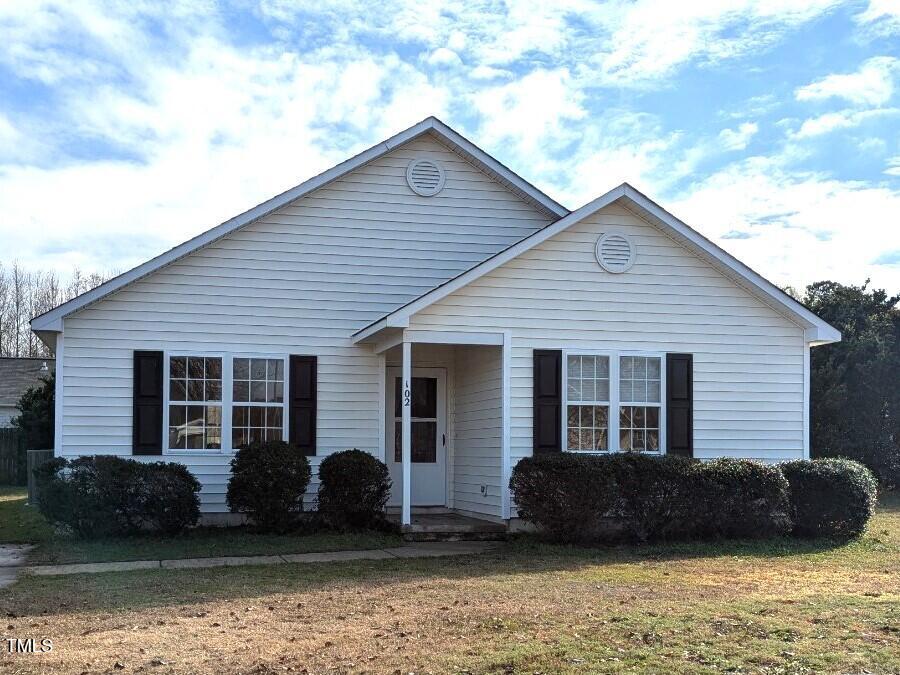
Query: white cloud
x=893, y=168
x=881, y=17
x=738, y=139
x=871, y=85
x=802, y=227
x=845, y=119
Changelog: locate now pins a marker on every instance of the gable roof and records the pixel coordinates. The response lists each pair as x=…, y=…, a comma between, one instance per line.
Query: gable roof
x=17, y=375
x=817, y=330
x=51, y=321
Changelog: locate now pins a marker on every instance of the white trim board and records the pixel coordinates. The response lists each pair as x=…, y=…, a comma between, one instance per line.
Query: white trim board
x=52, y=320
x=817, y=330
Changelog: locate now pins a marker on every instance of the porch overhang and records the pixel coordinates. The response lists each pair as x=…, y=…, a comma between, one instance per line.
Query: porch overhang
x=388, y=337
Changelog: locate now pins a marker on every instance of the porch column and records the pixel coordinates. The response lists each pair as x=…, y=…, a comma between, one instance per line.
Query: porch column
x=406, y=432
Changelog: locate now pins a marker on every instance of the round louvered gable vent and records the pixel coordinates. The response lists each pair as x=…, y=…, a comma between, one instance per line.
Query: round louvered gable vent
x=425, y=177
x=615, y=252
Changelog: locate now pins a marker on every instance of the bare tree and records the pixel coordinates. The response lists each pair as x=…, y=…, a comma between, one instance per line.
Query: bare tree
x=24, y=295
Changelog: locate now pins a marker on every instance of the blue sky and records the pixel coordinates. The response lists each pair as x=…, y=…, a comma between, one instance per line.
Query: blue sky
x=772, y=127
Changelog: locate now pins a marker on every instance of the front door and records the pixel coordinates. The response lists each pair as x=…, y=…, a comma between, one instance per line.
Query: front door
x=429, y=436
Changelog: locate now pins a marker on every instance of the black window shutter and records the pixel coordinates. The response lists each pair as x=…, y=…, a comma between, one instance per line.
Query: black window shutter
x=547, y=400
x=147, y=402
x=303, y=403
x=680, y=404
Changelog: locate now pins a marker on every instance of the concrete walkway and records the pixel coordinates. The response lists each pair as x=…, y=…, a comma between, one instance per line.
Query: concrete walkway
x=12, y=558
x=416, y=550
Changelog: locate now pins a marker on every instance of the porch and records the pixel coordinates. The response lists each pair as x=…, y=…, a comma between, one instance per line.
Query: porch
x=447, y=525
x=446, y=421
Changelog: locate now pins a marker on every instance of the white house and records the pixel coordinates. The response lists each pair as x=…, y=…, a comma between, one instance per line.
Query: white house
x=424, y=303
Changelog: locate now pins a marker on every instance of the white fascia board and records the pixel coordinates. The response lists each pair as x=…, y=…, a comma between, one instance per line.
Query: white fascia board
x=816, y=330
x=52, y=320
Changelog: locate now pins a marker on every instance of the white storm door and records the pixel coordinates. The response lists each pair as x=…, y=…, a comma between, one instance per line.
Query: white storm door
x=429, y=436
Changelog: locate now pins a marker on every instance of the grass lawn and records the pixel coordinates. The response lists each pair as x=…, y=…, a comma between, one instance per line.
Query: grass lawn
x=22, y=524
x=760, y=607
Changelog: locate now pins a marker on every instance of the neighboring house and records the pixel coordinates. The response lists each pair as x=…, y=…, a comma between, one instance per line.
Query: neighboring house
x=17, y=376
x=424, y=303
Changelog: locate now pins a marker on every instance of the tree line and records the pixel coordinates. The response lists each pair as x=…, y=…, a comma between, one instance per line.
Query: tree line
x=25, y=294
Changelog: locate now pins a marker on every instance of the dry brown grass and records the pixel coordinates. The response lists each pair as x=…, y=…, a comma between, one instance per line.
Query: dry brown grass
x=765, y=607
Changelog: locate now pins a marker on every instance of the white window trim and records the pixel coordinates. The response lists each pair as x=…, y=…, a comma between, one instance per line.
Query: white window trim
x=614, y=399
x=227, y=397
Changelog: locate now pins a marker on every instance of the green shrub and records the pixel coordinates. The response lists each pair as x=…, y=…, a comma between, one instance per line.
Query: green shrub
x=565, y=495
x=744, y=499
x=268, y=481
x=105, y=495
x=354, y=488
x=830, y=497
x=589, y=498
x=657, y=495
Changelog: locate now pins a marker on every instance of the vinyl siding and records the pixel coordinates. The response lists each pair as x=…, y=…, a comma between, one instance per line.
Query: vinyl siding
x=477, y=457
x=301, y=280
x=748, y=358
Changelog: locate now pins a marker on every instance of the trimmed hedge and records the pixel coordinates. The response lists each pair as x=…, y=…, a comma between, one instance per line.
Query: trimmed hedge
x=744, y=499
x=587, y=498
x=830, y=497
x=268, y=481
x=566, y=495
x=354, y=488
x=104, y=495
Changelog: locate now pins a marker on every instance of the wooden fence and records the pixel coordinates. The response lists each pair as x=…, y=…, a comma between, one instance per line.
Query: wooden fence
x=35, y=458
x=13, y=465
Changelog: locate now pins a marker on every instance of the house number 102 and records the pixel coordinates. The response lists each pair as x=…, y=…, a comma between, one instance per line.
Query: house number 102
x=406, y=395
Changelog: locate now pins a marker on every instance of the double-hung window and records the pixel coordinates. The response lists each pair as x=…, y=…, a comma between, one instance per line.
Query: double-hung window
x=258, y=401
x=587, y=408
x=195, y=402
x=613, y=402
x=640, y=384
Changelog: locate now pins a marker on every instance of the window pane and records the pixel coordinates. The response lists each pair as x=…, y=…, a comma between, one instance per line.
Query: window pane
x=278, y=396
x=177, y=390
x=625, y=417
x=639, y=391
x=587, y=367
x=626, y=390
x=238, y=437
x=424, y=397
x=637, y=440
x=573, y=416
x=177, y=415
x=240, y=416
x=640, y=368
x=603, y=366
x=626, y=367
x=194, y=439
x=652, y=440
x=653, y=368
x=176, y=438
x=258, y=369
x=574, y=367
x=572, y=439
x=653, y=418
x=652, y=391
x=213, y=368
x=273, y=417
x=258, y=392
x=574, y=390
x=588, y=391
x=195, y=367
x=195, y=390
x=242, y=369
x=587, y=439
x=213, y=390
x=213, y=416
x=638, y=418
x=195, y=415
x=602, y=390
x=213, y=438
x=241, y=391
x=601, y=439
x=424, y=442
x=178, y=367
x=257, y=417
x=601, y=416
x=587, y=416
x=625, y=440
